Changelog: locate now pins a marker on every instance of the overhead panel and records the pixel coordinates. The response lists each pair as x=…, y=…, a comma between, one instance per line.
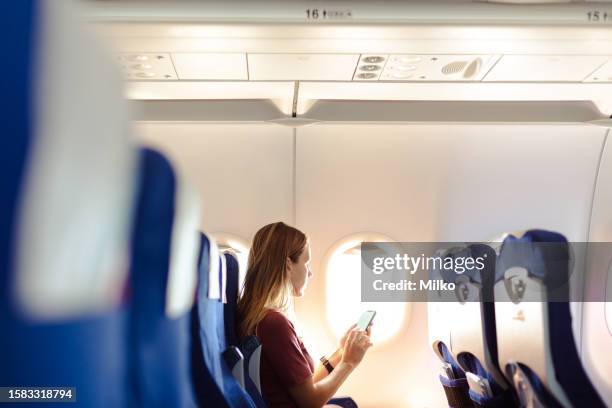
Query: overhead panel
x=546, y=68
x=146, y=66
x=603, y=74
x=415, y=67
x=302, y=67
x=370, y=67
x=211, y=66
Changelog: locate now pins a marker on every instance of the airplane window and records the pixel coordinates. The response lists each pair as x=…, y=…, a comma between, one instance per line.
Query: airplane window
x=238, y=246
x=344, y=305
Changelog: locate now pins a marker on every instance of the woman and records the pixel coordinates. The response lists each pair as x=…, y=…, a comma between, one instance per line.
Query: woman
x=278, y=270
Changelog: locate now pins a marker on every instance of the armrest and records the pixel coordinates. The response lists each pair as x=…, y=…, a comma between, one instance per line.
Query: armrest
x=344, y=402
x=235, y=361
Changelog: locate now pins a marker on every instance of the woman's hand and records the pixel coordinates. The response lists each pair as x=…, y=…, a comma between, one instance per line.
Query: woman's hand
x=356, y=344
x=345, y=336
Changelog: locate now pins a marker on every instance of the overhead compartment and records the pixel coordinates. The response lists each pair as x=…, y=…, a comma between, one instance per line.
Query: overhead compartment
x=295, y=54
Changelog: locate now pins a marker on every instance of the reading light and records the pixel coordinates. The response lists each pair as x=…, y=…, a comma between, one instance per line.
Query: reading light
x=373, y=60
x=366, y=75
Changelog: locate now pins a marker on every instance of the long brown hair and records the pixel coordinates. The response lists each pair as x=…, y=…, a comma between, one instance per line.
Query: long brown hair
x=267, y=285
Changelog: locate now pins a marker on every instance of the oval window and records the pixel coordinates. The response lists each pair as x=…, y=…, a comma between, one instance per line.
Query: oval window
x=343, y=291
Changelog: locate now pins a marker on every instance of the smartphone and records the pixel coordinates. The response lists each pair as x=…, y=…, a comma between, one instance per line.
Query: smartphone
x=365, y=320
x=479, y=385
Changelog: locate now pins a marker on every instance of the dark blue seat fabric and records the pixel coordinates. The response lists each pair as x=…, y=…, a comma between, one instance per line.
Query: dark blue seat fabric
x=209, y=326
x=231, y=290
x=484, y=280
x=160, y=347
x=251, y=349
x=549, y=261
x=208, y=392
x=83, y=352
x=344, y=402
x=500, y=398
x=456, y=389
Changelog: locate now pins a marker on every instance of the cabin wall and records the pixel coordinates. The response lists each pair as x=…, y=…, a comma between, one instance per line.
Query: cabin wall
x=597, y=316
x=243, y=172
x=411, y=182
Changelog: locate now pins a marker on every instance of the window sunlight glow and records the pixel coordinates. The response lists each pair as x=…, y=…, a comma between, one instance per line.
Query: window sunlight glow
x=344, y=305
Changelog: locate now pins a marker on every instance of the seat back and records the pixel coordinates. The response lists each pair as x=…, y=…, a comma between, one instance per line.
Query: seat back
x=68, y=173
x=251, y=349
x=536, y=345
x=165, y=247
x=474, y=339
x=229, y=308
x=209, y=326
x=470, y=322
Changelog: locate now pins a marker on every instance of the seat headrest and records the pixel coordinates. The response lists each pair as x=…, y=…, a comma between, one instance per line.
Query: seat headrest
x=211, y=269
x=232, y=274
x=183, y=275
x=166, y=235
x=76, y=195
x=535, y=267
x=538, y=252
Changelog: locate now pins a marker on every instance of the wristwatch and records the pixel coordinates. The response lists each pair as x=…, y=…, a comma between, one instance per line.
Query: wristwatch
x=326, y=364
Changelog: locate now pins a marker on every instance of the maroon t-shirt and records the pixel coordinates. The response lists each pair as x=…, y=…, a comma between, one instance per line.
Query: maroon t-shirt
x=284, y=360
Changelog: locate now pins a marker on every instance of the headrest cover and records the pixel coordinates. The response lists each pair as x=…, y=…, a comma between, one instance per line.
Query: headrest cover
x=223, y=277
x=538, y=252
x=75, y=206
x=182, y=277
x=214, y=282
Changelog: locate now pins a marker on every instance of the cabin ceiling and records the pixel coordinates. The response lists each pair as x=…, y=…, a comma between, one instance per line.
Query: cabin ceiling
x=182, y=53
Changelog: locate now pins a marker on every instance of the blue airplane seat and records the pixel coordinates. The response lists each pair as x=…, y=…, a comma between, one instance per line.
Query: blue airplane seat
x=232, y=290
x=473, y=332
x=470, y=347
x=65, y=205
x=456, y=389
x=540, y=357
x=455, y=386
x=218, y=387
x=209, y=393
x=163, y=278
x=251, y=348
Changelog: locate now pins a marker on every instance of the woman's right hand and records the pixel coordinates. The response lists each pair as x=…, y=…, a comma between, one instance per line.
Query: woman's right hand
x=355, y=347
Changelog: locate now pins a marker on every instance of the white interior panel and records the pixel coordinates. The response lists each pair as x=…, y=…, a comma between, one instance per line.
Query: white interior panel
x=426, y=182
x=304, y=67
x=280, y=93
x=437, y=67
x=242, y=172
x=211, y=66
x=603, y=74
x=146, y=67
x=544, y=68
x=596, y=328
x=600, y=94
x=209, y=90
